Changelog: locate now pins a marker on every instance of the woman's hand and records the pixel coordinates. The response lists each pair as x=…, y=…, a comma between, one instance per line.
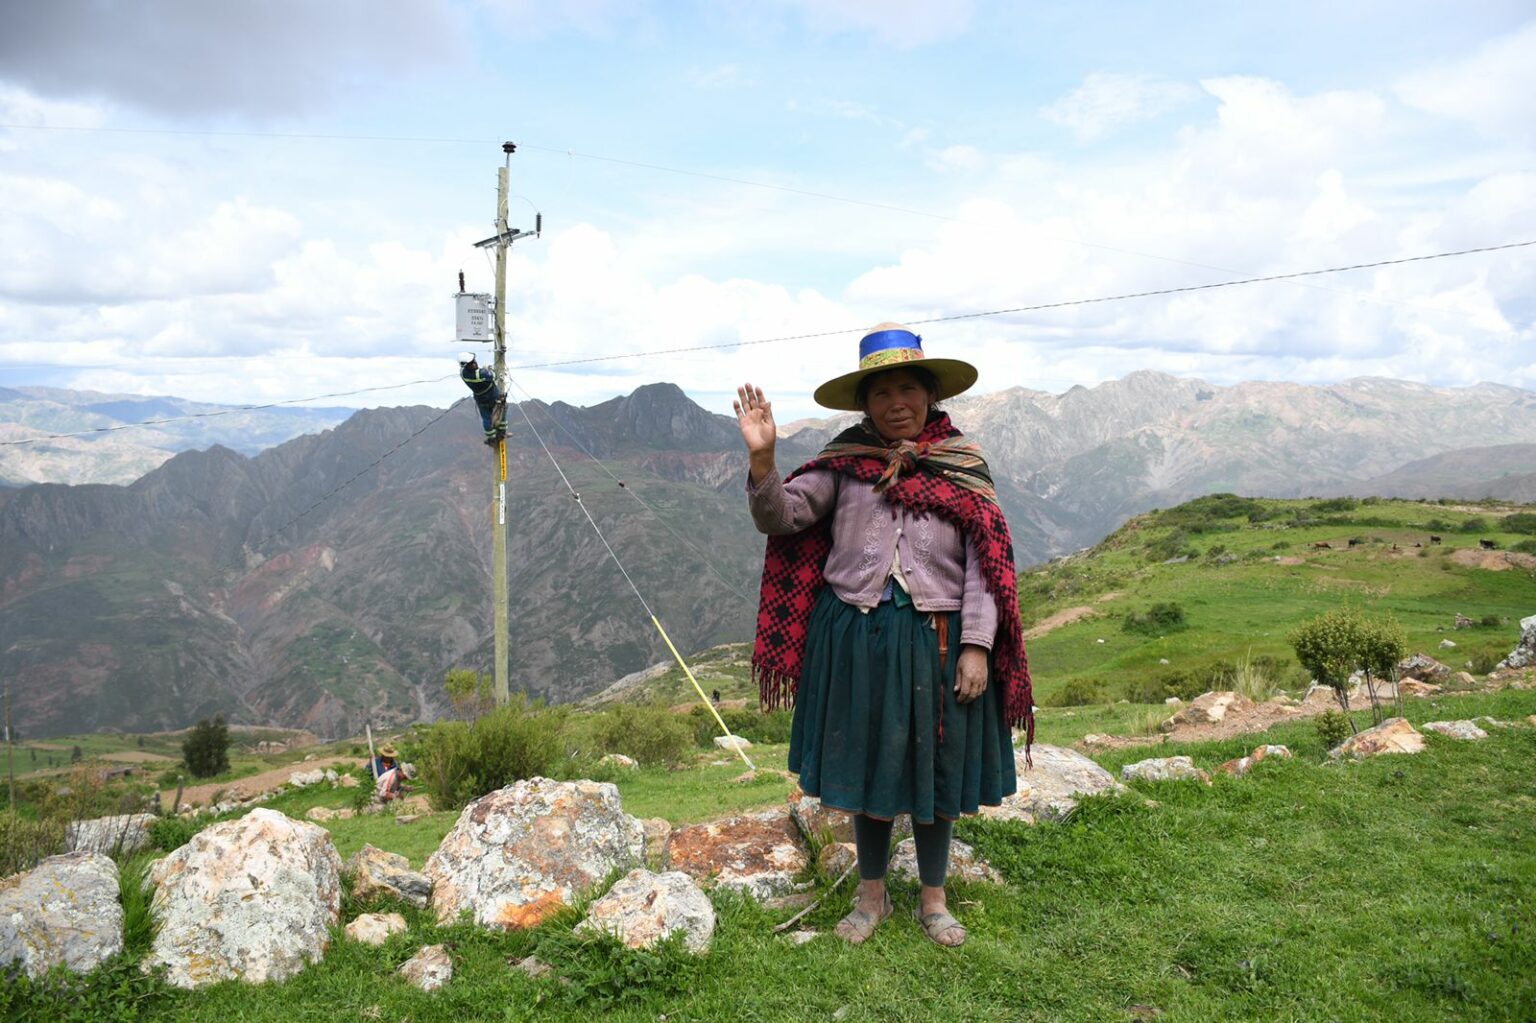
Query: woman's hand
x=754, y=414
x=971, y=673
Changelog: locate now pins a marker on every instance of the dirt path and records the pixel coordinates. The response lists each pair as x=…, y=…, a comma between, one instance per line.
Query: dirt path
x=252, y=785
x=1065, y=617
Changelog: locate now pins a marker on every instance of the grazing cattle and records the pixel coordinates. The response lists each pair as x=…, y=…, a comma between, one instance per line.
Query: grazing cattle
x=1434, y=539
x=1488, y=545
x=1323, y=544
x=1354, y=543
x=1418, y=545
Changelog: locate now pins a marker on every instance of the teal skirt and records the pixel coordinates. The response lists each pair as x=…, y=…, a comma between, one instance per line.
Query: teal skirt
x=877, y=729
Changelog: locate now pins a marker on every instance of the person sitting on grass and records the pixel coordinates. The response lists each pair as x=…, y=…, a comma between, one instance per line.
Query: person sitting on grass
x=388, y=775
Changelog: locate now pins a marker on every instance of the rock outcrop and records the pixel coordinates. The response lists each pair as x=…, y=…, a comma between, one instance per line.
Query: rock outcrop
x=1049, y=791
x=429, y=969
x=250, y=899
x=1208, y=709
x=1524, y=653
x=1394, y=735
x=1456, y=729
x=521, y=853
x=1164, y=769
x=644, y=908
x=1242, y=765
x=964, y=864
x=375, y=872
x=375, y=928
x=120, y=835
x=63, y=911
x=757, y=853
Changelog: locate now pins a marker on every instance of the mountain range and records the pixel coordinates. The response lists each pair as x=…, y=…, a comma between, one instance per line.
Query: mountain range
x=332, y=579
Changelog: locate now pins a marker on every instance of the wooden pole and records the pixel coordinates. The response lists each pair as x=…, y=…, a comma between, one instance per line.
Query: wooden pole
x=10, y=746
x=499, y=518
x=373, y=761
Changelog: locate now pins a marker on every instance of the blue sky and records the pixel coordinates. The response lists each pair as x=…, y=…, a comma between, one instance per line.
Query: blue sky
x=999, y=154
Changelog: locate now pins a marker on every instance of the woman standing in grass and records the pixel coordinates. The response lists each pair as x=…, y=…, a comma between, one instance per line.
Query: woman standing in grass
x=889, y=616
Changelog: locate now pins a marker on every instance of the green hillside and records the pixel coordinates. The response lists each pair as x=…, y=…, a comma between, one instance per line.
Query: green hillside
x=1244, y=572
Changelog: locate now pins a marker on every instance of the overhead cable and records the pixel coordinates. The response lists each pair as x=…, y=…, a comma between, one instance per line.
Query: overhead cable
x=1032, y=308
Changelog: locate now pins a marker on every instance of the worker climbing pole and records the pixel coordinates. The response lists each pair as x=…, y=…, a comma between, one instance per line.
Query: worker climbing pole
x=489, y=392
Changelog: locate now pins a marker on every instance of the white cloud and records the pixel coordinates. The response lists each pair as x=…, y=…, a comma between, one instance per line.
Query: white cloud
x=1106, y=101
x=1492, y=89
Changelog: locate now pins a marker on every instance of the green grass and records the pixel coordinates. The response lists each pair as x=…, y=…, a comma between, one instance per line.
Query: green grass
x=1397, y=888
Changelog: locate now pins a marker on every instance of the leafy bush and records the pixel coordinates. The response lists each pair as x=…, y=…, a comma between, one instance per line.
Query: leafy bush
x=651, y=733
x=1076, y=693
x=1336, y=504
x=1332, y=728
x=1520, y=522
x=1157, y=620
x=1175, y=544
x=206, y=748
x=1484, y=662
x=1525, y=547
x=24, y=842
x=171, y=833
x=1490, y=621
x=459, y=762
x=754, y=725
x=1474, y=525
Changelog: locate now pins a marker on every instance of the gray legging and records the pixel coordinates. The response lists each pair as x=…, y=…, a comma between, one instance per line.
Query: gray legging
x=872, y=837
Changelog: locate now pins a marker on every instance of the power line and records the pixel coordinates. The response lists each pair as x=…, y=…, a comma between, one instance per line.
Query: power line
x=353, y=478
x=221, y=412
x=1035, y=308
x=703, y=558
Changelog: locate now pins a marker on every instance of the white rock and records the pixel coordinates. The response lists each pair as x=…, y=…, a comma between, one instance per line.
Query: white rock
x=250, y=899
x=644, y=908
x=331, y=775
x=64, y=910
x=1455, y=729
x=1173, y=701
x=523, y=852
x=428, y=969
x=1050, y=790
x=1163, y=769
x=301, y=779
x=1163, y=660
x=620, y=760
x=964, y=864
x=377, y=872
x=125, y=833
x=757, y=853
x=1524, y=653
x=732, y=742
x=1446, y=644
x=375, y=928
x=1394, y=735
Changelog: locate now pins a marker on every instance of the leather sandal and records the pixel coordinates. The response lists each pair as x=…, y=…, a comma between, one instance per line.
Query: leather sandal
x=857, y=926
x=937, y=923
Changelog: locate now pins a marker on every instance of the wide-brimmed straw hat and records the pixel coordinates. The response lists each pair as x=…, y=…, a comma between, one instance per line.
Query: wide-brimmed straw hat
x=892, y=346
x=387, y=751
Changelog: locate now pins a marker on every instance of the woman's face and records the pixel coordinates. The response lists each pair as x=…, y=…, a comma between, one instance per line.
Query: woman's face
x=897, y=403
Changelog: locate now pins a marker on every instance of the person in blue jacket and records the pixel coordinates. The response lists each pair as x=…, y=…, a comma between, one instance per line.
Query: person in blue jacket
x=488, y=397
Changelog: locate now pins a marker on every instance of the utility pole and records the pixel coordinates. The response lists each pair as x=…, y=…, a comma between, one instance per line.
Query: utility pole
x=503, y=240
x=10, y=761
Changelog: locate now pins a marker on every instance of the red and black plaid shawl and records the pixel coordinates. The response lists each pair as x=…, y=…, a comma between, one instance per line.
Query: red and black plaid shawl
x=936, y=473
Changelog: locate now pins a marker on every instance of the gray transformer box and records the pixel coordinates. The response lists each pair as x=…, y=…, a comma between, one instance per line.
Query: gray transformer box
x=473, y=318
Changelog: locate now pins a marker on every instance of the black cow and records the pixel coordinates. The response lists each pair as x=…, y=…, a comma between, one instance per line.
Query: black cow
x=1488, y=545
x=1434, y=539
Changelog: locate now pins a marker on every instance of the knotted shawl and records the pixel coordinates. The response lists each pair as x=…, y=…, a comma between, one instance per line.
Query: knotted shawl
x=936, y=473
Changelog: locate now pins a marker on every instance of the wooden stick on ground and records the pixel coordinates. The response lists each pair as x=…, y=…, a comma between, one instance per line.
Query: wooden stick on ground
x=787, y=924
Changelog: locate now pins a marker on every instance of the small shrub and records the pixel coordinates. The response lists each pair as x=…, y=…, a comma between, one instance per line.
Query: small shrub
x=1076, y=693
x=1490, y=621
x=205, y=750
x=1332, y=728
x=1525, y=547
x=1336, y=504
x=171, y=833
x=1483, y=663
x=24, y=842
x=459, y=762
x=1158, y=620
x=1474, y=525
x=651, y=733
x=1520, y=522
x=135, y=893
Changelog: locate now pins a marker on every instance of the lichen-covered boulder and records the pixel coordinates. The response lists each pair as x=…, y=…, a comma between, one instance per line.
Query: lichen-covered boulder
x=376, y=872
x=1049, y=790
x=119, y=835
x=1242, y=765
x=836, y=858
x=1422, y=667
x=1456, y=729
x=657, y=831
x=757, y=853
x=375, y=928
x=817, y=822
x=64, y=910
x=1164, y=769
x=964, y=864
x=1524, y=653
x=429, y=969
x=250, y=899
x=1209, y=709
x=521, y=853
x=644, y=908
x=1394, y=735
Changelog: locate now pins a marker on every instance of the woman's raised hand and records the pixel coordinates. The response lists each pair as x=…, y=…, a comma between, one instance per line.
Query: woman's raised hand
x=754, y=414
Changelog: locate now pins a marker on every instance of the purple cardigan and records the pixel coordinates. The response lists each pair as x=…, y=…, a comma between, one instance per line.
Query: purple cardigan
x=938, y=561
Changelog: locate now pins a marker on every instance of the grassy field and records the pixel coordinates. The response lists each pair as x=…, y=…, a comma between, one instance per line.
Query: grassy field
x=1400, y=888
